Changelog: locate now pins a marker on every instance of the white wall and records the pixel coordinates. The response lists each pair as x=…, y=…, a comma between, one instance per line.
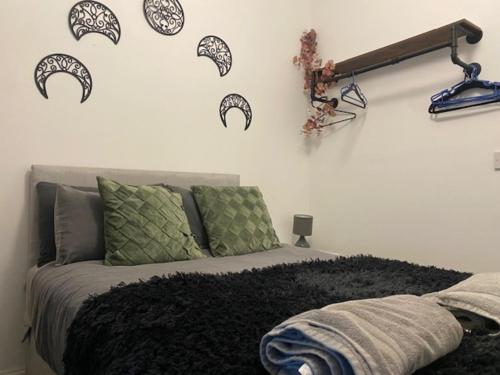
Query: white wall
x=154, y=105
x=395, y=183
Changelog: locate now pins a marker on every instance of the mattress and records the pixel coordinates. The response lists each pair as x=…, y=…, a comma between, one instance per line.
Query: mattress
x=55, y=293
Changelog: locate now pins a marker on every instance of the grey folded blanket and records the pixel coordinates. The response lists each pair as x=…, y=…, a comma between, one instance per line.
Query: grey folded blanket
x=479, y=295
x=394, y=335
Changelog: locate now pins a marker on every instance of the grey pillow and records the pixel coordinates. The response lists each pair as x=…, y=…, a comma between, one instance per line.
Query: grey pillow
x=193, y=214
x=46, y=192
x=78, y=225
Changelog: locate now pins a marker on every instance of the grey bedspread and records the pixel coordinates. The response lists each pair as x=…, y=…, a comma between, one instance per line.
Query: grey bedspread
x=56, y=293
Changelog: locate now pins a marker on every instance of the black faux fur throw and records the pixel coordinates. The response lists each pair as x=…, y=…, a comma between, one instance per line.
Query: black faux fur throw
x=193, y=324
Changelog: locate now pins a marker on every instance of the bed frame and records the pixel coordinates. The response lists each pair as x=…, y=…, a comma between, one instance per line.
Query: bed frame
x=82, y=176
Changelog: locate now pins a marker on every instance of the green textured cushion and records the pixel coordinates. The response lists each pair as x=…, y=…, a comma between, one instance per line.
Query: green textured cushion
x=144, y=224
x=236, y=219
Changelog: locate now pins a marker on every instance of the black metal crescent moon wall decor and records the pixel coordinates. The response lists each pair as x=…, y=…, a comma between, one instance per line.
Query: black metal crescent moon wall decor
x=235, y=101
x=164, y=16
x=218, y=51
x=93, y=17
x=61, y=63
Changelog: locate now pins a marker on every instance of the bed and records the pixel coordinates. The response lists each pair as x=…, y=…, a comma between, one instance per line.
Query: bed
x=55, y=294
x=273, y=286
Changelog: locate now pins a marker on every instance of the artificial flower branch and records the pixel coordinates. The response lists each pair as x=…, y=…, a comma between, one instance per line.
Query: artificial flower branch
x=310, y=62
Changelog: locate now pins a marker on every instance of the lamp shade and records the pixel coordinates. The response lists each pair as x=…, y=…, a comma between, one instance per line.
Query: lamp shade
x=302, y=225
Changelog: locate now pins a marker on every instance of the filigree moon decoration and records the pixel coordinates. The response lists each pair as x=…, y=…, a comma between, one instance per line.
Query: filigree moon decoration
x=218, y=51
x=235, y=101
x=93, y=17
x=61, y=63
x=164, y=16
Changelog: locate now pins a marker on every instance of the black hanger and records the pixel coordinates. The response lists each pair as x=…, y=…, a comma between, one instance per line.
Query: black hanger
x=350, y=115
x=334, y=102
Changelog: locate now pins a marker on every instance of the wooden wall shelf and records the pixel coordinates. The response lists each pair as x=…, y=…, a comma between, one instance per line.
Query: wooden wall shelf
x=406, y=49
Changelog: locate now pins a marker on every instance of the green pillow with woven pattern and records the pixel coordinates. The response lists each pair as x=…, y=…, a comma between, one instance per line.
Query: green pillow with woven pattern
x=236, y=219
x=144, y=224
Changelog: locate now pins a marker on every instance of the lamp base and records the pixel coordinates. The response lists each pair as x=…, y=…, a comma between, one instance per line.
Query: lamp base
x=302, y=242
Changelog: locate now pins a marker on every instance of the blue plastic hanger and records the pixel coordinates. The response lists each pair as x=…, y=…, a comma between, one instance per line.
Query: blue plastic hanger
x=352, y=94
x=449, y=100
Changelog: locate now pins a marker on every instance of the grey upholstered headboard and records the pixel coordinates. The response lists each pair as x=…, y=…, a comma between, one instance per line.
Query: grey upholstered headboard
x=82, y=176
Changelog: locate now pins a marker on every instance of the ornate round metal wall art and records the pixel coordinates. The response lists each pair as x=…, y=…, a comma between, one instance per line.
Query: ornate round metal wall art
x=61, y=63
x=235, y=101
x=93, y=17
x=218, y=51
x=164, y=16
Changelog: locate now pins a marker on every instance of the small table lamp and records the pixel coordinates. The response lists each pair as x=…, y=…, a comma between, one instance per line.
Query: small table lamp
x=302, y=226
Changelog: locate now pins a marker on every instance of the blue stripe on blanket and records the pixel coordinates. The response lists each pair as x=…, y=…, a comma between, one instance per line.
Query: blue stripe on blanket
x=291, y=366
